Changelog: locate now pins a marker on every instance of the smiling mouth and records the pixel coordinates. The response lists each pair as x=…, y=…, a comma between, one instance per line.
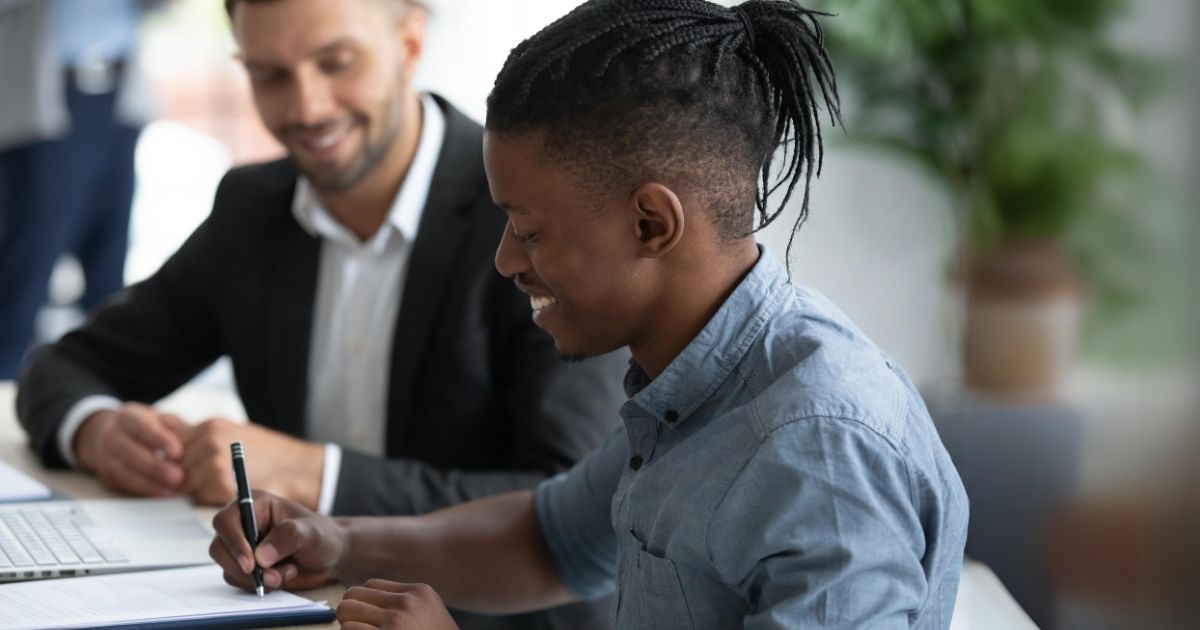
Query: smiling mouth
x=540, y=303
x=323, y=144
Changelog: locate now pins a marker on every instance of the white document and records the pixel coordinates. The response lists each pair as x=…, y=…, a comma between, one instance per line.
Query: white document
x=126, y=598
x=984, y=604
x=17, y=486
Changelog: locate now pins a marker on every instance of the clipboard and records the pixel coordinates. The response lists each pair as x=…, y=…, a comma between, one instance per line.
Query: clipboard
x=230, y=622
x=190, y=597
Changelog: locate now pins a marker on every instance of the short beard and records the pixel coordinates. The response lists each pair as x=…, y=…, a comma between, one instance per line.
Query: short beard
x=368, y=160
x=573, y=357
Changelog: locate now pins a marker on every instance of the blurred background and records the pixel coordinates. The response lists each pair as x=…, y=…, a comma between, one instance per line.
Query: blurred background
x=1009, y=211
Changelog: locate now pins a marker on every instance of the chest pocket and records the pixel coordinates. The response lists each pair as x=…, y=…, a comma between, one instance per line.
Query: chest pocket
x=654, y=597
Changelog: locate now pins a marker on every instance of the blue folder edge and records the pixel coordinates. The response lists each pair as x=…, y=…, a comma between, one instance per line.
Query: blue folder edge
x=270, y=619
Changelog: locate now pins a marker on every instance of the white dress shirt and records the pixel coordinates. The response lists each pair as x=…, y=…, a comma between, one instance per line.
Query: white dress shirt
x=359, y=286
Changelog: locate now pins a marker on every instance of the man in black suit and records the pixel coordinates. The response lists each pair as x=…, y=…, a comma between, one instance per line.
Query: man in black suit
x=353, y=287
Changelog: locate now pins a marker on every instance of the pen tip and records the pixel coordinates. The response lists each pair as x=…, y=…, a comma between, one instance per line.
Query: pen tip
x=259, y=590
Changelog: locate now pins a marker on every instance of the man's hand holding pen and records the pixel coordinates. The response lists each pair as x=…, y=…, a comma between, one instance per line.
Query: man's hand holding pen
x=298, y=548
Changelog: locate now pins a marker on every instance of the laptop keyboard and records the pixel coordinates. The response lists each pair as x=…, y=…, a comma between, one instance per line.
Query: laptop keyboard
x=53, y=536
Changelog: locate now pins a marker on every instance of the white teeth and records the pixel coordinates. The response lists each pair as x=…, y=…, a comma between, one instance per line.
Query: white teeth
x=329, y=139
x=540, y=303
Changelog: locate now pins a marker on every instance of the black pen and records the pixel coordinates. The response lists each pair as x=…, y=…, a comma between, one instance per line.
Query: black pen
x=246, y=507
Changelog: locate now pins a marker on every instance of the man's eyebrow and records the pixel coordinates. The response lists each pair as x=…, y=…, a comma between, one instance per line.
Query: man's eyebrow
x=316, y=52
x=259, y=64
x=333, y=45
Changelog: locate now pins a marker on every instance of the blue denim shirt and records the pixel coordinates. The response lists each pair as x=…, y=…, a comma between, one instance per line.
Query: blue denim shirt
x=782, y=472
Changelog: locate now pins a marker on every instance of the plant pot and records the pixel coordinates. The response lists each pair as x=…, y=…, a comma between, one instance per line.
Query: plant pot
x=1023, y=314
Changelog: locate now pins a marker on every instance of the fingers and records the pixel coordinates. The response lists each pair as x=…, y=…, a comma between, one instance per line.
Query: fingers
x=230, y=550
x=209, y=441
x=284, y=573
x=284, y=539
x=289, y=553
x=127, y=450
x=208, y=486
x=147, y=426
x=127, y=453
x=386, y=604
x=176, y=425
x=358, y=625
x=352, y=611
x=209, y=482
x=142, y=445
x=292, y=547
x=118, y=475
x=207, y=463
x=375, y=596
x=235, y=573
x=275, y=462
x=233, y=552
x=380, y=584
x=272, y=579
x=279, y=533
x=287, y=575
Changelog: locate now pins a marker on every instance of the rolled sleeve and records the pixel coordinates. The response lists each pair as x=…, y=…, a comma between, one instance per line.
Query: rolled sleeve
x=574, y=511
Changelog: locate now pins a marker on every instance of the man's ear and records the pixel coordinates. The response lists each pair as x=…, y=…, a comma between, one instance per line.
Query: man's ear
x=660, y=219
x=410, y=33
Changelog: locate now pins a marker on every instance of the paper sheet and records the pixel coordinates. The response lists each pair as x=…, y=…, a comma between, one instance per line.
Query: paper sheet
x=984, y=604
x=173, y=594
x=17, y=486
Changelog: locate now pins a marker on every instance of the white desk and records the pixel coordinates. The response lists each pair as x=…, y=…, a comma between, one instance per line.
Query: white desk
x=982, y=604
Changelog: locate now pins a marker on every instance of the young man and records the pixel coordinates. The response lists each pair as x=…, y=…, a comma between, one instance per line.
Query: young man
x=775, y=469
x=385, y=366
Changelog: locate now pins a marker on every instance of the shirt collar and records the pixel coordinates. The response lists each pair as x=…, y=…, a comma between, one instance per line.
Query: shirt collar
x=407, y=207
x=705, y=363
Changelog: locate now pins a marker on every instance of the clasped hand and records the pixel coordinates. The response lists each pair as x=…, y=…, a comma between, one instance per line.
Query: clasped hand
x=141, y=451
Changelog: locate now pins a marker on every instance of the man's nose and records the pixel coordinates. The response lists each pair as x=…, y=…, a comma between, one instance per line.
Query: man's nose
x=510, y=257
x=312, y=99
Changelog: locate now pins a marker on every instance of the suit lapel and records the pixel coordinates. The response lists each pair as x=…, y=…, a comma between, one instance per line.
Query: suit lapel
x=291, y=297
x=456, y=183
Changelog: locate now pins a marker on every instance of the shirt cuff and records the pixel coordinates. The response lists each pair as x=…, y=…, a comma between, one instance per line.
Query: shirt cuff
x=329, y=478
x=80, y=411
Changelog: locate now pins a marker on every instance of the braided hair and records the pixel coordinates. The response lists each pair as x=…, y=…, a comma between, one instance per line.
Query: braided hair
x=684, y=90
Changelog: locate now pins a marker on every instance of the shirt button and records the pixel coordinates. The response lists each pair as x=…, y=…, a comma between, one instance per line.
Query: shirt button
x=671, y=416
x=635, y=462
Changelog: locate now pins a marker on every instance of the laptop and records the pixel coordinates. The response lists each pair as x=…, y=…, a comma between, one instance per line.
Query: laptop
x=51, y=539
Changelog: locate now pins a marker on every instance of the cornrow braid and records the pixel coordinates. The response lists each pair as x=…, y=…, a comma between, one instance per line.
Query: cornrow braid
x=684, y=89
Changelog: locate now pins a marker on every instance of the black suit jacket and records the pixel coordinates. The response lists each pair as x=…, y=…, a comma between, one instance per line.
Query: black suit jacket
x=479, y=402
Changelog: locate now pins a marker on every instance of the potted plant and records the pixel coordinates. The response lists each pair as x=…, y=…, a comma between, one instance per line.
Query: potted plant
x=1013, y=107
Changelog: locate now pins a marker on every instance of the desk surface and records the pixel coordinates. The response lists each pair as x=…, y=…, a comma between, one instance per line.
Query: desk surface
x=983, y=603
x=14, y=451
